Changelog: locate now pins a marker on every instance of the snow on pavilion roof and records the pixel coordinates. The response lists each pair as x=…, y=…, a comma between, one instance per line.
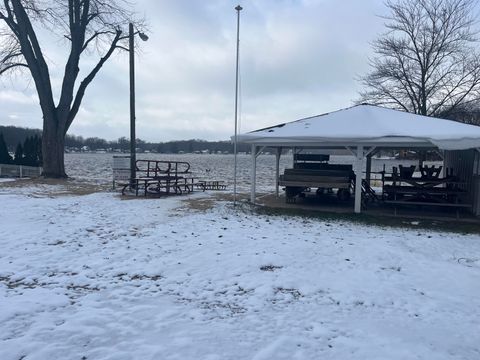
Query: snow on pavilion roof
x=368, y=124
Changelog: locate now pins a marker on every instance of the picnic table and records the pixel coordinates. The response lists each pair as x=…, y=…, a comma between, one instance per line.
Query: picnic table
x=159, y=177
x=427, y=190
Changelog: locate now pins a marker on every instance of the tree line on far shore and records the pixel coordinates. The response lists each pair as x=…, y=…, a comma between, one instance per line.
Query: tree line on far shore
x=29, y=153
x=14, y=135
x=77, y=143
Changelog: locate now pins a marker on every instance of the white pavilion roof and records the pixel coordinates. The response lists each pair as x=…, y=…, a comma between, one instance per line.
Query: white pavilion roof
x=368, y=125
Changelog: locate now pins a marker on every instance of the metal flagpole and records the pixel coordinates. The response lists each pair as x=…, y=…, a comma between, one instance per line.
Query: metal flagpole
x=131, y=51
x=238, y=8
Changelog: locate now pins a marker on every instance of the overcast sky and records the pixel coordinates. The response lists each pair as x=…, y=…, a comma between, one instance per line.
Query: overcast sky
x=298, y=58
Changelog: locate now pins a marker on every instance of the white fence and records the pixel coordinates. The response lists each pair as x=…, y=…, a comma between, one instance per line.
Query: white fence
x=19, y=171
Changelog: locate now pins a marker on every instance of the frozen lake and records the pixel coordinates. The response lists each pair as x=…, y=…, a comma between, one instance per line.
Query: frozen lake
x=98, y=167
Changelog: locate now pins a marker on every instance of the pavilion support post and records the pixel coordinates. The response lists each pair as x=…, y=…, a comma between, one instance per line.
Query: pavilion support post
x=358, y=179
x=253, y=174
x=277, y=171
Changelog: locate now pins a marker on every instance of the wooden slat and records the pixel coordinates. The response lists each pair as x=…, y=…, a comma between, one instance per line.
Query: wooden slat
x=398, y=202
x=315, y=184
x=303, y=178
x=312, y=172
x=388, y=189
x=311, y=157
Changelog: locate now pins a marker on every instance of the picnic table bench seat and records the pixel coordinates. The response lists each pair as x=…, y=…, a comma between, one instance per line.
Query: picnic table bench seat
x=211, y=185
x=408, y=202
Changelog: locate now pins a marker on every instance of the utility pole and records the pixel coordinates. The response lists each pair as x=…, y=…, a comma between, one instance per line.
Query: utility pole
x=133, y=142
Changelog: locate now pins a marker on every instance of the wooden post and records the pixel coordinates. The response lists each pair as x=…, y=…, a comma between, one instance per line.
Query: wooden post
x=254, y=174
x=358, y=179
x=277, y=170
x=369, y=168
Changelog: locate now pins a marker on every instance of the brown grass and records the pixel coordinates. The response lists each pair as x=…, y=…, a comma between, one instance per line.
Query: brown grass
x=208, y=203
x=60, y=187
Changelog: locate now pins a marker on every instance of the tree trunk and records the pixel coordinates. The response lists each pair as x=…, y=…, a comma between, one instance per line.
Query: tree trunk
x=53, y=149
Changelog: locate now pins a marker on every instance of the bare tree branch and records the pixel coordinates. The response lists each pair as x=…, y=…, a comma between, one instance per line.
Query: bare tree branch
x=88, y=79
x=88, y=26
x=427, y=61
x=12, y=66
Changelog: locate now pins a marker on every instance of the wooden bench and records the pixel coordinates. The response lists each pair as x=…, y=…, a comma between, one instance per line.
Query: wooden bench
x=310, y=161
x=211, y=185
x=296, y=181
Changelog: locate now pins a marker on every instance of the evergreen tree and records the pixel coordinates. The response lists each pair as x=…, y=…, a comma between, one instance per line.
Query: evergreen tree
x=5, y=157
x=32, y=151
x=28, y=152
x=18, y=160
x=38, y=150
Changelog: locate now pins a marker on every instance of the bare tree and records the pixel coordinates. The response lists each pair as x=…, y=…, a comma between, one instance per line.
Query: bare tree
x=468, y=113
x=87, y=25
x=427, y=61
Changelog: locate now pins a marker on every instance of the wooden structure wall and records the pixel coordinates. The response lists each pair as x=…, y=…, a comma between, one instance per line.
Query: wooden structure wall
x=466, y=165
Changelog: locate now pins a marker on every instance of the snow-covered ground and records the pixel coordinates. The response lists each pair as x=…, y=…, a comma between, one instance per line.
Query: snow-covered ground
x=98, y=277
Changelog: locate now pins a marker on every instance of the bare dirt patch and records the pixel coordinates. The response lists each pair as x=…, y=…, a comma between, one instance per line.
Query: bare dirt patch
x=199, y=204
x=207, y=203
x=42, y=187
